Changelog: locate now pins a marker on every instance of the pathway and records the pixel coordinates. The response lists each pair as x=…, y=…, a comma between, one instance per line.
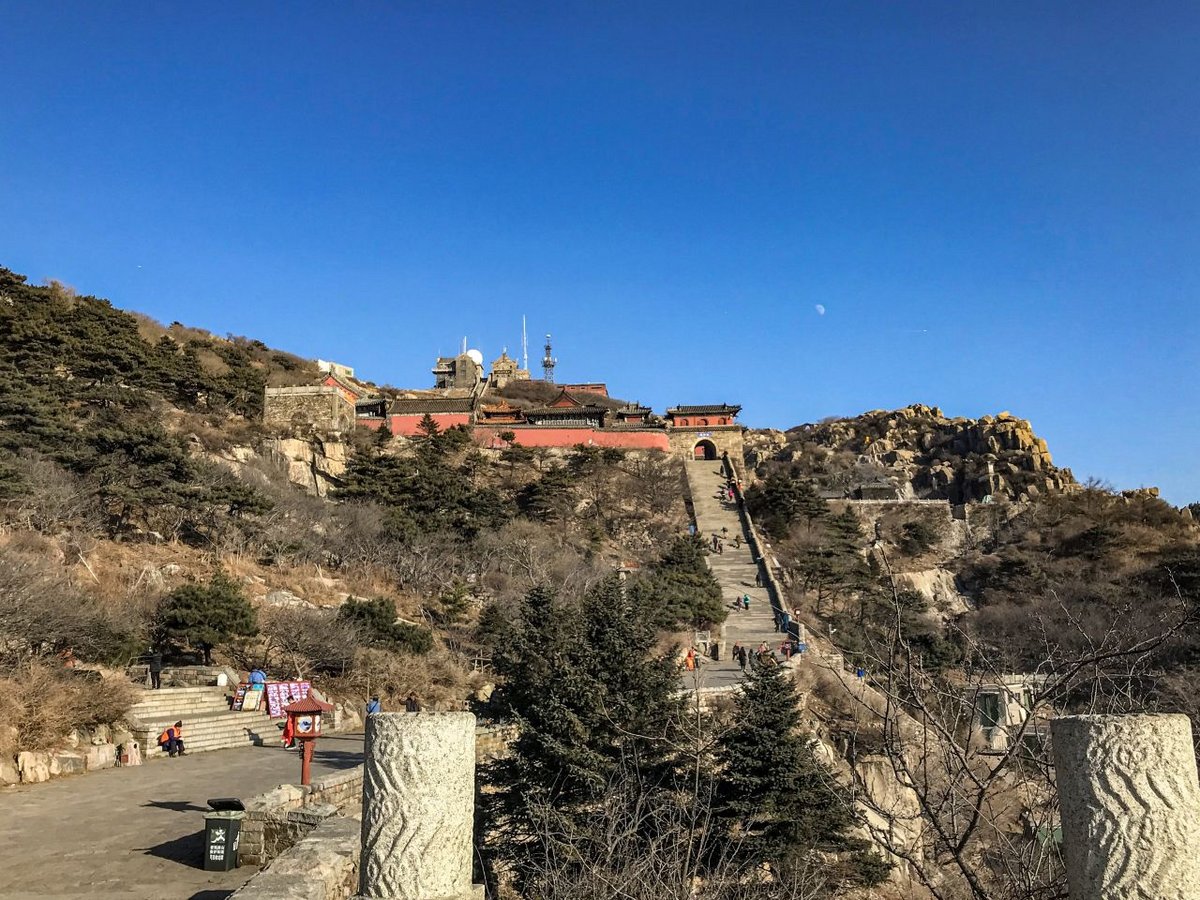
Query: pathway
x=138, y=832
x=734, y=570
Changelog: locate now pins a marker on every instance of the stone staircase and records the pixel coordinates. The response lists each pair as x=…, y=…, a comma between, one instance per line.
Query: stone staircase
x=208, y=722
x=734, y=570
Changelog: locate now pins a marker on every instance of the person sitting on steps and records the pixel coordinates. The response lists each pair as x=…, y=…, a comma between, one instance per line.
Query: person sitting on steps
x=171, y=740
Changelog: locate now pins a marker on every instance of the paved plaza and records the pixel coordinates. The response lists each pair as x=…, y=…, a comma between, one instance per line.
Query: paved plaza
x=138, y=832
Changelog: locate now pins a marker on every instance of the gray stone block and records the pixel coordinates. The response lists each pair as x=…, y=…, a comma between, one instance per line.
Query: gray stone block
x=418, y=806
x=1130, y=801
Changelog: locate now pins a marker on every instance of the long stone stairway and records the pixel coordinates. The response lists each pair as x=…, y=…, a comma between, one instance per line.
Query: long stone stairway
x=208, y=722
x=734, y=570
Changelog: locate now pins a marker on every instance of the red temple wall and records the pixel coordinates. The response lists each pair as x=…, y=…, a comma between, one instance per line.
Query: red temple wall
x=407, y=425
x=569, y=437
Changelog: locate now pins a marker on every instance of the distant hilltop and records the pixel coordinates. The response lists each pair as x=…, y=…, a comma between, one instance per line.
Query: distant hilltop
x=915, y=453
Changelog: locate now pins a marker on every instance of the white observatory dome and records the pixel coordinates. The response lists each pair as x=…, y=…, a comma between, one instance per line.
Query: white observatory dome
x=477, y=356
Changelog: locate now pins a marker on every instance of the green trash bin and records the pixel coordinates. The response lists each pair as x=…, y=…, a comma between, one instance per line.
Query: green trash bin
x=222, y=830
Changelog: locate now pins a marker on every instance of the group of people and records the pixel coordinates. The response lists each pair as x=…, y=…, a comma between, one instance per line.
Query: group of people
x=411, y=704
x=763, y=655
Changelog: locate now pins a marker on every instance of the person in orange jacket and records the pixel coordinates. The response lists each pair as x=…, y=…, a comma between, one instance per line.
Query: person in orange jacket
x=171, y=740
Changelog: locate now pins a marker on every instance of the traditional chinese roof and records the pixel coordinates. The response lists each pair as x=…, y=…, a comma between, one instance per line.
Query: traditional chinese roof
x=435, y=405
x=563, y=400
x=309, y=704
x=501, y=411
x=723, y=409
x=634, y=409
x=565, y=411
x=342, y=383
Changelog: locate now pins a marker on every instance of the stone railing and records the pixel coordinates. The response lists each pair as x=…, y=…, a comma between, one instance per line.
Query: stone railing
x=322, y=865
x=279, y=818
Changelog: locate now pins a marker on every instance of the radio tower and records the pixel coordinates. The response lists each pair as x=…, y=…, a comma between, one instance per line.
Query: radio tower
x=548, y=363
x=524, y=348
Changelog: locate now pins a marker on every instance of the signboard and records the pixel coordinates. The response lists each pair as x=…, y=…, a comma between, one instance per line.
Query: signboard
x=239, y=696
x=281, y=693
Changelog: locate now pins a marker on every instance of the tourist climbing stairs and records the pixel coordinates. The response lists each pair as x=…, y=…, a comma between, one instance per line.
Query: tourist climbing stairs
x=208, y=722
x=734, y=568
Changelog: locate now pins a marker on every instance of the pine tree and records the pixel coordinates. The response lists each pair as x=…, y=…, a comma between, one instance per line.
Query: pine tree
x=206, y=615
x=778, y=803
x=591, y=699
x=681, y=591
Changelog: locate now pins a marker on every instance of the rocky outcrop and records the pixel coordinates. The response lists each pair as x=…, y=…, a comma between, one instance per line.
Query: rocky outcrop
x=916, y=451
x=315, y=464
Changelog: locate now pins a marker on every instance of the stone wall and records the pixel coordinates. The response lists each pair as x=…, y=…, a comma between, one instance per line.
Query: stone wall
x=279, y=818
x=493, y=741
x=318, y=407
x=323, y=865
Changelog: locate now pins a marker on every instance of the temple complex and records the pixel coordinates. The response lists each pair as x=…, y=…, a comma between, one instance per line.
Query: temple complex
x=463, y=395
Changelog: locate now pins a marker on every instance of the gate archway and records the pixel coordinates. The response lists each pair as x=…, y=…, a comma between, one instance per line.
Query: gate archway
x=706, y=450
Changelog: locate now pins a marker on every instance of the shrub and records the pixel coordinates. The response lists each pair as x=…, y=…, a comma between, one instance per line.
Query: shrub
x=377, y=620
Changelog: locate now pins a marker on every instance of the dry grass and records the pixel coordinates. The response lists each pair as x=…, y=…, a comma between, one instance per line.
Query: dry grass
x=41, y=705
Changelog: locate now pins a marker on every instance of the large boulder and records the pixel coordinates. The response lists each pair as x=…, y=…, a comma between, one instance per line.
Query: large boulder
x=33, y=766
x=67, y=762
x=100, y=756
x=9, y=773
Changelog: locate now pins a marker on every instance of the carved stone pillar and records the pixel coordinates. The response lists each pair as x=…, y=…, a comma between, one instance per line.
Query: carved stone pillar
x=418, y=807
x=1130, y=803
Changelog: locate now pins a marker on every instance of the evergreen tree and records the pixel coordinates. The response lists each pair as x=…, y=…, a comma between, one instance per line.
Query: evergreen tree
x=428, y=427
x=590, y=697
x=204, y=616
x=777, y=802
x=681, y=591
x=782, y=499
x=377, y=620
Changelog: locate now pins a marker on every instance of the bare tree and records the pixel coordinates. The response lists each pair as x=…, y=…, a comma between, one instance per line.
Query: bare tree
x=977, y=813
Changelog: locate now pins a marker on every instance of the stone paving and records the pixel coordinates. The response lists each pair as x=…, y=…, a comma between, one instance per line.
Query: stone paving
x=734, y=569
x=138, y=832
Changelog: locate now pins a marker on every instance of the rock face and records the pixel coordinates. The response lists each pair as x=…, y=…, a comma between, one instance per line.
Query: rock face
x=418, y=806
x=918, y=452
x=315, y=464
x=1130, y=801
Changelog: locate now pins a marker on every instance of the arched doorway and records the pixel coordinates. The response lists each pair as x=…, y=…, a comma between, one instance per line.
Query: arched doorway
x=705, y=450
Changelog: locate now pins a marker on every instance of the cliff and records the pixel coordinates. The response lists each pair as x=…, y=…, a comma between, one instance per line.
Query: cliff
x=915, y=452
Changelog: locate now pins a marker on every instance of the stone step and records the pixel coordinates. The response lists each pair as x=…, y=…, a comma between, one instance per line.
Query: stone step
x=165, y=711
x=217, y=732
x=156, y=709
x=207, y=719
x=179, y=702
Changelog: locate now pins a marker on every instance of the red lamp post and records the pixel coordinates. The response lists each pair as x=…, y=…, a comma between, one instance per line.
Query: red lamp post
x=305, y=716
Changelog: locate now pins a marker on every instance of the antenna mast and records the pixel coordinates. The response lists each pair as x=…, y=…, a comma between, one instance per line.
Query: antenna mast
x=524, y=347
x=548, y=363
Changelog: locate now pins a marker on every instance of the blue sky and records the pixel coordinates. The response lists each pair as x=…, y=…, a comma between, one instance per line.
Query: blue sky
x=997, y=205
